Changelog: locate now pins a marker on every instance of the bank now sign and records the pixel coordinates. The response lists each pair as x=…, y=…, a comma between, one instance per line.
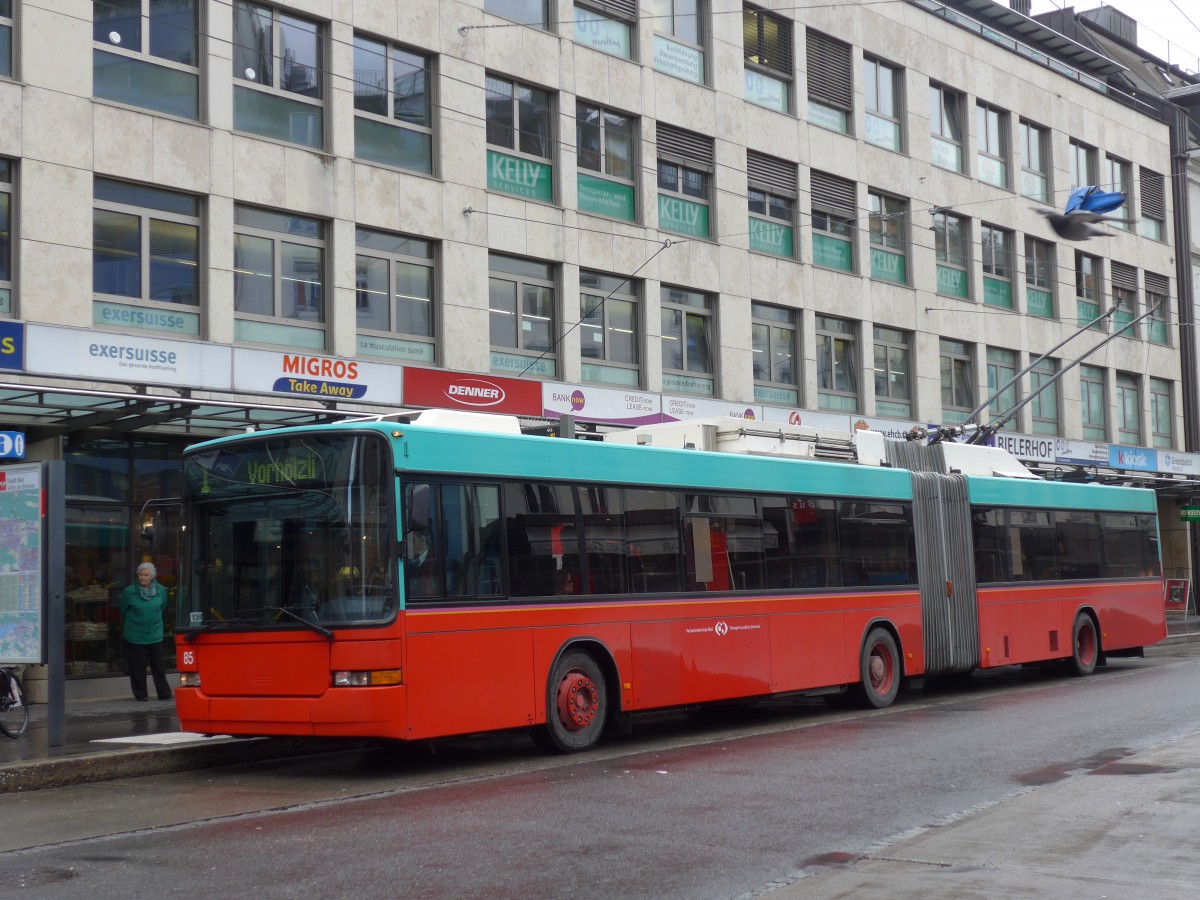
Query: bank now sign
x=483, y=393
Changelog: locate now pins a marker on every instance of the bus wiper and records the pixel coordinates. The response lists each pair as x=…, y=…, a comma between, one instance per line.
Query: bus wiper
x=191, y=636
x=319, y=629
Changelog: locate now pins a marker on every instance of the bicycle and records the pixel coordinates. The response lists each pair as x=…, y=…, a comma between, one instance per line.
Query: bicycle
x=14, y=708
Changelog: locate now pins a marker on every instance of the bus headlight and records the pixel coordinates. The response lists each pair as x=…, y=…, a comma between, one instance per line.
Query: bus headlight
x=366, y=679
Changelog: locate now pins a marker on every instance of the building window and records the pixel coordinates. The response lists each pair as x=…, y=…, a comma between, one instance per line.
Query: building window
x=1082, y=161
x=884, y=102
x=767, y=49
x=278, y=278
x=1154, y=205
x=393, y=120
x=1089, y=292
x=394, y=296
x=1001, y=366
x=958, y=381
x=1117, y=179
x=6, y=33
x=837, y=364
x=1044, y=389
x=833, y=221
x=1035, y=163
x=1093, y=402
x=607, y=25
x=685, y=167
x=680, y=38
x=1129, y=410
x=773, y=351
x=830, y=82
x=688, y=360
x=527, y=12
x=1162, y=420
x=522, y=316
x=996, y=248
x=771, y=201
x=520, y=139
x=1157, y=287
x=279, y=75
x=610, y=329
x=945, y=123
x=893, y=365
x=889, y=237
x=145, y=53
x=1125, y=296
x=952, y=240
x=1039, y=278
x=991, y=158
x=606, y=157
x=6, y=231
x=145, y=256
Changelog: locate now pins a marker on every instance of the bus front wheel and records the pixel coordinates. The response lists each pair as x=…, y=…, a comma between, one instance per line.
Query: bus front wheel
x=1086, y=644
x=576, y=705
x=879, y=670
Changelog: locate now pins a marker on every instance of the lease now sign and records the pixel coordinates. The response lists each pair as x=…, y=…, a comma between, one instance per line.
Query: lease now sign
x=482, y=393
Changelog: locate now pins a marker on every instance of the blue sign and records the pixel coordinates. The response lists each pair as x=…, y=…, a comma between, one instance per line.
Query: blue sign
x=1135, y=458
x=12, y=345
x=12, y=445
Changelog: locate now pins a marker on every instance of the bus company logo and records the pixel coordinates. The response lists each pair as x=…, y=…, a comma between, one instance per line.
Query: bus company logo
x=577, y=400
x=793, y=418
x=475, y=392
x=748, y=414
x=721, y=629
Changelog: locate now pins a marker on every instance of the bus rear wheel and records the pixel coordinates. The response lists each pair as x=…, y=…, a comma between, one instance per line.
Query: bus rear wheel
x=1086, y=646
x=576, y=705
x=879, y=670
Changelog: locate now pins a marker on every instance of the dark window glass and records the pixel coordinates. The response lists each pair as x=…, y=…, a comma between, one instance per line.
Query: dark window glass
x=543, y=547
x=877, y=543
x=652, y=540
x=1079, y=545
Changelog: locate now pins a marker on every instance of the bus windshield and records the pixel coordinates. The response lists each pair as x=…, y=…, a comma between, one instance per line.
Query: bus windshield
x=289, y=531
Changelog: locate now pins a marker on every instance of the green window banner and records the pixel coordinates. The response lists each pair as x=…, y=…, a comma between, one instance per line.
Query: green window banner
x=997, y=293
x=678, y=60
x=605, y=198
x=1157, y=331
x=952, y=282
x=827, y=117
x=405, y=351
x=1039, y=302
x=775, y=395
x=601, y=33
x=686, y=384
x=888, y=266
x=770, y=237
x=763, y=90
x=515, y=364
x=520, y=177
x=682, y=216
x=832, y=253
x=120, y=315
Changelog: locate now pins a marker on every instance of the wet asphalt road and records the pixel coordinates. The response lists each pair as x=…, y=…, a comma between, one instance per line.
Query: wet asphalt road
x=721, y=804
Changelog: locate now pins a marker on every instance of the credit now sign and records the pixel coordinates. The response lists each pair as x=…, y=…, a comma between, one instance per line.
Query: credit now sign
x=482, y=393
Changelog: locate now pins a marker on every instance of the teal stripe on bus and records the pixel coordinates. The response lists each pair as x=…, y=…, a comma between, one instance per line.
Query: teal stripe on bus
x=1028, y=492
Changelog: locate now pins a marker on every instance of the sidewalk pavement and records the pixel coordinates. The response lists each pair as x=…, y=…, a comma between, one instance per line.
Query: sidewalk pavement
x=107, y=739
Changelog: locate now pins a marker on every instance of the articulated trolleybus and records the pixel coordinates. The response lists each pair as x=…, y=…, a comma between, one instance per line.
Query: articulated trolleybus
x=451, y=575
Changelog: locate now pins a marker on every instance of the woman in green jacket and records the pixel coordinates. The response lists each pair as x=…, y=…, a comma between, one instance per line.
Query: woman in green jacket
x=142, y=607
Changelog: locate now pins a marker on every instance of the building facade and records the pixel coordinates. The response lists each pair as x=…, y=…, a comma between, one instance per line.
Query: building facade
x=239, y=214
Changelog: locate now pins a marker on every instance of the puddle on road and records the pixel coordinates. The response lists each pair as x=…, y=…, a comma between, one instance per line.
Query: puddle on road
x=1059, y=771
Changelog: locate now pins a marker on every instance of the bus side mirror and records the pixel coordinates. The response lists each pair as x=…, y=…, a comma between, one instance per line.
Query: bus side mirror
x=418, y=508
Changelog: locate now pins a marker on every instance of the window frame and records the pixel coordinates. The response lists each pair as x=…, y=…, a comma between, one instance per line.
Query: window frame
x=956, y=360
x=1080, y=152
x=607, y=289
x=1117, y=177
x=542, y=363
x=771, y=184
x=833, y=219
x=952, y=253
x=875, y=72
x=601, y=171
x=782, y=73
x=1035, y=265
x=776, y=321
x=1091, y=389
x=279, y=239
x=943, y=99
x=1089, y=300
x=1044, y=405
x=547, y=115
x=1124, y=289
x=272, y=91
x=1160, y=392
x=392, y=101
x=1129, y=406
x=682, y=303
x=7, y=30
x=665, y=27
x=834, y=333
x=489, y=6
x=623, y=13
x=830, y=64
x=1153, y=205
x=142, y=60
x=674, y=158
x=996, y=259
x=1002, y=364
x=892, y=342
x=1041, y=173
x=426, y=345
x=887, y=224
x=991, y=143
x=1157, y=290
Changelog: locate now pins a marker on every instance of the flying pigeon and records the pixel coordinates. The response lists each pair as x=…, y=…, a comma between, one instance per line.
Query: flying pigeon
x=1086, y=207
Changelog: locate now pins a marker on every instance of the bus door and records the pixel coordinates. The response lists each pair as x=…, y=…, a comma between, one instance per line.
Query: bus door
x=946, y=562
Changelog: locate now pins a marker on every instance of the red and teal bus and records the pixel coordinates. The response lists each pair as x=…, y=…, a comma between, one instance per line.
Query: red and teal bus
x=402, y=579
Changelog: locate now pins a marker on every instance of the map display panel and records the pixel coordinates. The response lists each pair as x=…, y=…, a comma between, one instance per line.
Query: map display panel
x=21, y=564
